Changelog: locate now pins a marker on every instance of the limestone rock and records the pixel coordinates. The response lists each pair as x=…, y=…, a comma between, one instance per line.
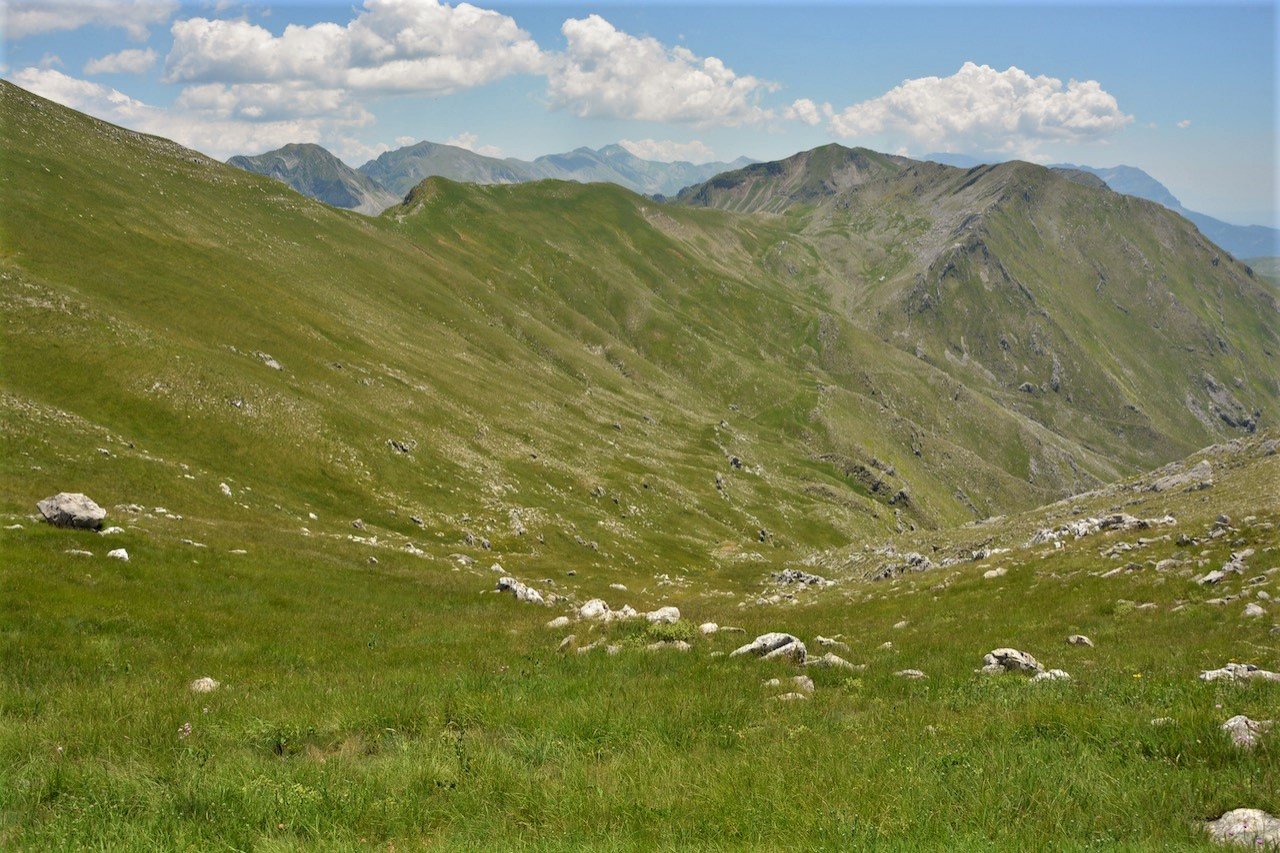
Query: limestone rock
x=1080, y=640
x=663, y=615
x=773, y=645
x=913, y=674
x=204, y=685
x=1052, y=675
x=1245, y=732
x=1239, y=672
x=1010, y=660
x=1246, y=828
x=833, y=661
x=521, y=591
x=119, y=554
x=72, y=509
x=708, y=628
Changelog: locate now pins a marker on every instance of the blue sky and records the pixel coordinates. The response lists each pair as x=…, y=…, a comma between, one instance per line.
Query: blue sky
x=1186, y=92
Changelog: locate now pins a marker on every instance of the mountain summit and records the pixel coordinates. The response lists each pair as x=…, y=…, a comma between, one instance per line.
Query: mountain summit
x=315, y=172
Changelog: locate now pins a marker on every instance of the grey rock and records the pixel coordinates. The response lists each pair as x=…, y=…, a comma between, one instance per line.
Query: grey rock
x=913, y=674
x=521, y=591
x=72, y=509
x=833, y=661
x=1239, y=672
x=1080, y=640
x=772, y=646
x=1245, y=732
x=1009, y=660
x=1052, y=675
x=1246, y=828
x=204, y=685
x=663, y=615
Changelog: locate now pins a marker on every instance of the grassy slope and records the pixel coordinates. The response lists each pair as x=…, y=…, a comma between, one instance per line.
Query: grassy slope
x=388, y=702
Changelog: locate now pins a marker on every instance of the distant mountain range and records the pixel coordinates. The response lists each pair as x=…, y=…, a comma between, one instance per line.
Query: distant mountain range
x=314, y=172
x=1243, y=241
x=380, y=183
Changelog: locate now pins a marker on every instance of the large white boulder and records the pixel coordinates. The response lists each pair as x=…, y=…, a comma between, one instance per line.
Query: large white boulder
x=72, y=509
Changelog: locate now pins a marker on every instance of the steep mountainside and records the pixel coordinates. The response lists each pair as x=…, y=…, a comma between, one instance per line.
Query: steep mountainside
x=314, y=172
x=1018, y=281
x=404, y=168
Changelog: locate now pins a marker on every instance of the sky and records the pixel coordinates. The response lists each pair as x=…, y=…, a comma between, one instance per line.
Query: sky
x=1184, y=91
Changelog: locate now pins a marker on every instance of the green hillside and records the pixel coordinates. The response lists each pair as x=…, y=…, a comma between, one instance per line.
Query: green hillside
x=324, y=437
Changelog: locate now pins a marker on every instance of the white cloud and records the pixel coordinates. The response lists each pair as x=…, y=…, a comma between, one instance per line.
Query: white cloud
x=204, y=129
x=805, y=110
x=404, y=141
x=29, y=17
x=272, y=102
x=981, y=109
x=1184, y=124
x=606, y=72
x=354, y=153
x=418, y=46
x=667, y=151
x=125, y=62
x=471, y=142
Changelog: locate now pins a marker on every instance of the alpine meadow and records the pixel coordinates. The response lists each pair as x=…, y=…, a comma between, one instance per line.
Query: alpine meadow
x=636, y=497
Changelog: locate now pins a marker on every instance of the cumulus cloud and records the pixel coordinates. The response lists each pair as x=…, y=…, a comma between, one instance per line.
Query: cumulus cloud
x=419, y=46
x=124, y=62
x=806, y=111
x=1184, y=124
x=197, y=126
x=609, y=73
x=471, y=142
x=667, y=151
x=272, y=102
x=979, y=108
x=135, y=17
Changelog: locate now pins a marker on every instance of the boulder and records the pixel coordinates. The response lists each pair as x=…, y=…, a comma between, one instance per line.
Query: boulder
x=1052, y=675
x=803, y=683
x=72, y=509
x=594, y=610
x=558, y=622
x=772, y=646
x=708, y=628
x=833, y=661
x=992, y=574
x=664, y=615
x=1245, y=732
x=119, y=554
x=1009, y=660
x=1239, y=672
x=521, y=591
x=1251, y=610
x=1246, y=828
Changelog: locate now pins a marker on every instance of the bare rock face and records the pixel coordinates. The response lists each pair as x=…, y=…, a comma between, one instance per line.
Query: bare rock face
x=1246, y=828
x=72, y=509
x=1010, y=660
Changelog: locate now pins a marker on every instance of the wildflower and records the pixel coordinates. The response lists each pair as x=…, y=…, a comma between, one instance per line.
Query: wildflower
x=184, y=731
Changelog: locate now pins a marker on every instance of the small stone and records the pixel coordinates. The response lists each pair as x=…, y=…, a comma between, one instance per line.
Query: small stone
x=558, y=622
x=205, y=685
x=1079, y=640
x=1254, y=611
x=119, y=554
x=566, y=643
x=708, y=628
x=900, y=625
x=225, y=489
x=803, y=683
x=991, y=574
x=791, y=697
x=910, y=673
